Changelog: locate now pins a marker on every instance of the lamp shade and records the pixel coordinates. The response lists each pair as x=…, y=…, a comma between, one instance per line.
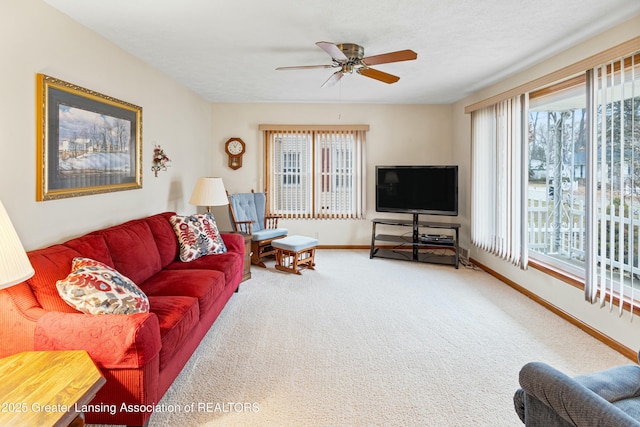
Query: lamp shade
x=14, y=263
x=209, y=192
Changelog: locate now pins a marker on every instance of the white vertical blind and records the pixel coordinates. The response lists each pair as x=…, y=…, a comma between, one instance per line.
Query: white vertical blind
x=340, y=176
x=316, y=172
x=360, y=174
x=289, y=161
x=498, y=179
x=483, y=196
x=612, y=202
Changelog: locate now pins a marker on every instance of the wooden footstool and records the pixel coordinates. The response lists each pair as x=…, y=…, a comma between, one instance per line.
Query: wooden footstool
x=294, y=253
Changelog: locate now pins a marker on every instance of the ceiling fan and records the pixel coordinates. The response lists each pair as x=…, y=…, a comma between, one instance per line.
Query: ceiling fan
x=349, y=57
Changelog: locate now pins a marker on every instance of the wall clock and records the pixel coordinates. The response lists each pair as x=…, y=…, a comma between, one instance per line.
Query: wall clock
x=235, y=149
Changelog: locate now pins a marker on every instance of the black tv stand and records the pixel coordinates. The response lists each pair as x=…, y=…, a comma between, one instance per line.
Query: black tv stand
x=417, y=247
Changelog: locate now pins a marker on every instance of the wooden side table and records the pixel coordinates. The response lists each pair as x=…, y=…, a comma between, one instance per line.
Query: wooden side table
x=246, y=273
x=47, y=388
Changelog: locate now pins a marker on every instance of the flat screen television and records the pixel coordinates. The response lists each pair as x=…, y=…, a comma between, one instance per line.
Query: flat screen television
x=428, y=190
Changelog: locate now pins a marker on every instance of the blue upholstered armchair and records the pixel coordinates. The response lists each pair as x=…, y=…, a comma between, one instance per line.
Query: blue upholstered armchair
x=248, y=215
x=549, y=398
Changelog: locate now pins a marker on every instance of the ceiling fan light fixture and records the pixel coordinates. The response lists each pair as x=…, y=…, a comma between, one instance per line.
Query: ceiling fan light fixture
x=352, y=51
x=349, y=57
x=347, y=68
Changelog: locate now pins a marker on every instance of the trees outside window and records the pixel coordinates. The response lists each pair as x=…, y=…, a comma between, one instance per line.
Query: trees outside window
x=557, y=171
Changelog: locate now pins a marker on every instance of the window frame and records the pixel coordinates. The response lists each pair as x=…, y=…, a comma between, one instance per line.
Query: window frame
x=322, y=171
x=536, y=258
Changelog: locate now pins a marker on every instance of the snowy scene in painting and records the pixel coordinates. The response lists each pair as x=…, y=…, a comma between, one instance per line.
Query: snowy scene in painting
x=92, y=143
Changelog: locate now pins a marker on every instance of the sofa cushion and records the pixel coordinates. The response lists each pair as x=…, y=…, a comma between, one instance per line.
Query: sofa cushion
x=51, y=264
x=205, y=285
x=133, y=249
x=91, y=246
x=177, y=317
x=95, y=288
x=164, y=236
x=230, y=263
x=198, y=235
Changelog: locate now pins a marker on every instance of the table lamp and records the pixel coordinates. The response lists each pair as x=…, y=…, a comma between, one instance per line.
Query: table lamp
x=14, y=263
x=209, y=192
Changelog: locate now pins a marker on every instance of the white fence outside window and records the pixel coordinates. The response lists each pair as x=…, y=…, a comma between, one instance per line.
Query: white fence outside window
x=565, y=238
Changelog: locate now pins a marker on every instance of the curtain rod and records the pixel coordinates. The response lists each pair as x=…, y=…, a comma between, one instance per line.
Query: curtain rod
x=312, y=127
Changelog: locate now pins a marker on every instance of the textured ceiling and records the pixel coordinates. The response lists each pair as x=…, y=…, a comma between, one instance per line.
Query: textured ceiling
x=227, y=50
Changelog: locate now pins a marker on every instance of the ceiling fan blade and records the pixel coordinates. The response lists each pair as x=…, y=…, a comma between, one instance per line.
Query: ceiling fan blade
x=304, y=67
x=333, y=79
x=378, y=75
x=401, y=55
x=332, y=50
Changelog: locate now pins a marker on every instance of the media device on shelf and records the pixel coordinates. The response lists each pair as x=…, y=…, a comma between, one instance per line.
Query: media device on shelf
x=424, y=190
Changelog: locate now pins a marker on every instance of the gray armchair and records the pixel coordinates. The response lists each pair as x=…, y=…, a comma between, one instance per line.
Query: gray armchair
x=248, y=215
x=549, y=398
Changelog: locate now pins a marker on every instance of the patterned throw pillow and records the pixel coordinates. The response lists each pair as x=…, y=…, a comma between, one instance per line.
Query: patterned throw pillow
x=198, y=235
x=95, y=288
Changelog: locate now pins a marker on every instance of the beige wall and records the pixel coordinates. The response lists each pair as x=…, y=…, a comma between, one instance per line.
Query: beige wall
x=567, y=298
x=35, y=38
x=399, y=134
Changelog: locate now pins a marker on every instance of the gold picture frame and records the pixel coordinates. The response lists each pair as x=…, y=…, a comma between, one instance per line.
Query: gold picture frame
x=87, y=142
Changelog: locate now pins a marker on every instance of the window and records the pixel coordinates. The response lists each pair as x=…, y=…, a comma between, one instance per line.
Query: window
x=315, y=172
x=292, y=158
x=289, y=187
x=291, y=169
x=556, y=194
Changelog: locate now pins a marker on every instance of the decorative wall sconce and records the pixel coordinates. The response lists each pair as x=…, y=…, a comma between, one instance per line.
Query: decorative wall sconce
x=160, y=160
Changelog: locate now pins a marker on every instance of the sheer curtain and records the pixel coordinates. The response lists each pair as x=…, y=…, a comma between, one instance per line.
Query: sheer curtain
x=498, y=200
x=613, y=182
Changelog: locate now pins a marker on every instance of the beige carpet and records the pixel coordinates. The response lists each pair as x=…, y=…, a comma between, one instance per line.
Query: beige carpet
x=362, y=342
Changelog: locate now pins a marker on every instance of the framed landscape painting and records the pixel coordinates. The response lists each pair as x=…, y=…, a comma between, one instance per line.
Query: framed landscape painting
x=88, y=143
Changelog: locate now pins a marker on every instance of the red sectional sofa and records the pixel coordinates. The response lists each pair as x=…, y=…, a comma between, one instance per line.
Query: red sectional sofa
x=139, y=354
